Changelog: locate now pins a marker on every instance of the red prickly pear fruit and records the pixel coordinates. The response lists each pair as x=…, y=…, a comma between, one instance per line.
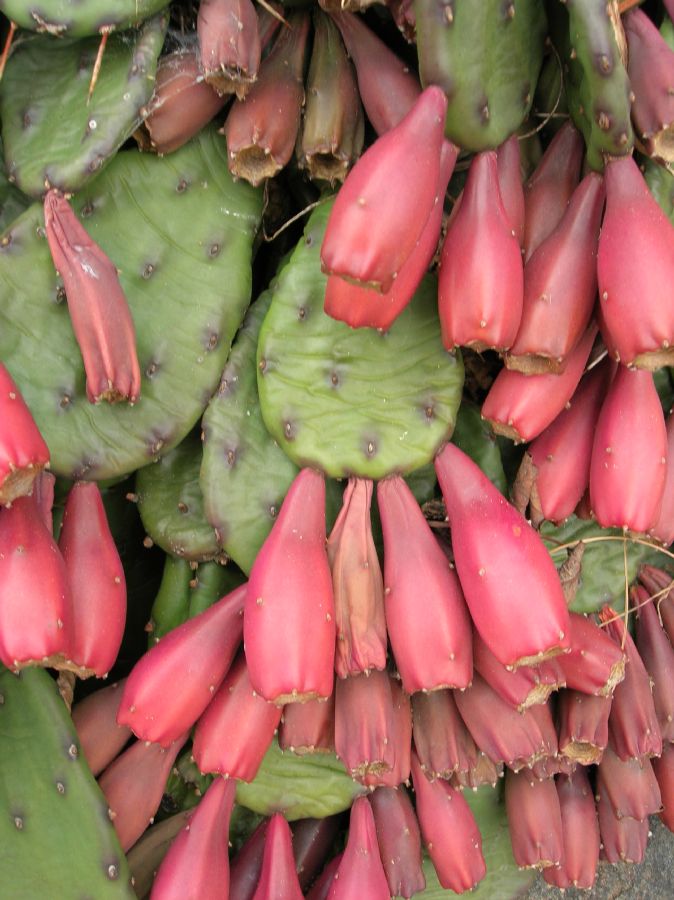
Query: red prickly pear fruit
x=321, y=887
x=583, y=726
x=657, y=656
x=235, y=710
x=549, y=189
x=246, y=867
x=562, y=453
x=372, y=230
x=95, y=720
x=278, y=879
x=308, y=727
x=633, y=725
x=485, y=771
x=201, y=650
x=480, y=286
x=401, y=743
x=432, y=648
x=629, y=454
x=580, y=832
x=35, y=604
x=23, y=452
x=637, y=315
x=534, y=820
x=312, y=841
x=357, y=584
x=98, y=309
x=360, y=873
x=196, y=866
x=97, y=582
x=560, y=285
x=361, y=306
x=521, y=406
x=508, y=162
x=399, y=840
x=387, y=86
x=502, y=565
x=622, y=840
x=442, y=741
x=659, y=585
x=229, y=44
x=663, y=530
x=630, y=785
x=664, y=772
x=594, y=664
x=450, y=832
x=43, y=490
x=290, y=596
x=364, y=723
x=133, y=786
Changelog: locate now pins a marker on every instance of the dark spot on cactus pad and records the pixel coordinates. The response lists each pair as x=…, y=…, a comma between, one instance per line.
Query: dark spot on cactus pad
x=112, y=871
x=96, y=163
x=156, y=444
x=2, y=699
x=18, y=822
x=73, y=752
x=212, y=341
x=603, y=64
x=65, y=400
x=230, y=456
x=152, y=368
x=182, y=186
x=429, y=411
x=26, y=120
x=308, y=240
x=262, y=365
x=6, y=240
x=214, y=250
x=60, y=787
x=370, y=447
x=508, y=10
x=301, y=313
x=60, y=295
x=148, y=270
x=87, y=209
x=288, y=430
x=335, y=380
x=79, y=473
x=603, y=120
x=40, y=232
x=273, y=511
x=183, y=507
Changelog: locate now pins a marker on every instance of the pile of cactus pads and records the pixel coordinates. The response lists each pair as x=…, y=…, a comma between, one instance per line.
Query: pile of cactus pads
x=336, y=454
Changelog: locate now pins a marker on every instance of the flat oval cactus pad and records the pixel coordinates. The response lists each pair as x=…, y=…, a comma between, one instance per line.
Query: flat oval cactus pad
x=353, y=401
x=60, y=17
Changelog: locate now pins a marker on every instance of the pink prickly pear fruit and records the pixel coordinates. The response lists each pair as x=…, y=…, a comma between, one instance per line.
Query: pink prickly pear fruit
x=235, y=710
x=521, y=406
x=629, y=454
x=23, y=451
x=365, y=723
x=98, y=309
x=502, y=565
x=622, y=840
x=562, y=452
x=534, y=820
x=580, y=832
x=357, y=584
x=95, y=720
x=290, y=596
x=361, y=306
x=633, y=725
x=321, y=887
x=35, y=603
x=308, y=727
x=659, y=585
x=401, y=743
x=480, y=286
x=245, y=868
x=450, y=832
x=630, y=785
x=509, y=167
x=664, y=772
x=432, y=648
x=196, y=866
x=43, y=489
x=549, y=189
x=229, y=44
x=399, y=840
x=387, y=86
x=442, y=741
x=133, y=786
x=637, y=316
x=657, y=655
x=582, y=721
x=372, y=230
x=663, y=530
x=560, y=285
x=97, y=582
x=201, y=650
x=595, y=664
x=278, y=879
x=360, y=873
x=313, y=839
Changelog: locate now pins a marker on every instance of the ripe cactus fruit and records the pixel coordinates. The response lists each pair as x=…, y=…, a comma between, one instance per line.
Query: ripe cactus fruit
x=659, y=584
x=290, y=595
x=657, y=655
x=502, y=564
x=509, y=166
x=663, y=530
x=23, y=452
x=637, y=332
x=664, y=772
x=580, y=832
x=594, y=663
x=629, y=785
x=95, y=720
x=278, y=877
x=229, y=44
x=442, y=742
x=583, y=725
x=399, y=840
x=364, y=724
x=534, y=820
x=360, y=872
x=99, y=312
x=308, y=727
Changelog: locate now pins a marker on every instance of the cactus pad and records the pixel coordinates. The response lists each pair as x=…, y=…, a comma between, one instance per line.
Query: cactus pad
x=52, y=137
x=56, y=836
x=60, y=17
x=181, y=233
x=353, y=401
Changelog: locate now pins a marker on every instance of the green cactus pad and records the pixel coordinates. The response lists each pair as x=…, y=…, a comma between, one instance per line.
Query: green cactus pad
x=486, y=56
x=12, y=201
x=171, y=505
x=476, y=438
x=181, y=232
x=79, y=19
x=353, y=402
x=56, y=838
x=52, y=137
x=313, y=786
x=661, y=184
x=596, y=82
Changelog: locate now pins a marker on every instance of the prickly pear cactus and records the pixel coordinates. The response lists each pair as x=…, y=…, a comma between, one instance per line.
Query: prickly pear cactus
x=353, y=401
x=54, y=137
x=181, y=233
x=476, y=438
x=61, y=17
x=56, y=838
x=660, y=180
x=486, y=56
